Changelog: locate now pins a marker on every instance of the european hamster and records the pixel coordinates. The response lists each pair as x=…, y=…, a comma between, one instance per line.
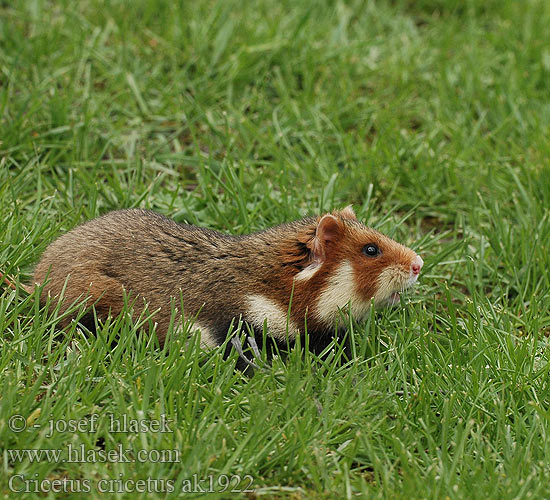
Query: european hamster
x=325, y=263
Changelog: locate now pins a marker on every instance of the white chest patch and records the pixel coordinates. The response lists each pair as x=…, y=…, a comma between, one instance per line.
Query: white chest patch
x=260, y=309
x=207, y=339
x=340, y=292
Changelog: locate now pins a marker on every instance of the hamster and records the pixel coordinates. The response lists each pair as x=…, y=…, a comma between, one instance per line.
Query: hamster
x=317, y=265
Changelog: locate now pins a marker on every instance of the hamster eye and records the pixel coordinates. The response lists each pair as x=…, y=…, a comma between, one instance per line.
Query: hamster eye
x=371, y=250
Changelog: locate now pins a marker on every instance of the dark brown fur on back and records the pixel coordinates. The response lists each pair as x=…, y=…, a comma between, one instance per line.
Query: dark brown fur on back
x=153, y=258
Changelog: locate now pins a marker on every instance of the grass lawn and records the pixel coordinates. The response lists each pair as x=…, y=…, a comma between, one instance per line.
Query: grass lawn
x=432, y=117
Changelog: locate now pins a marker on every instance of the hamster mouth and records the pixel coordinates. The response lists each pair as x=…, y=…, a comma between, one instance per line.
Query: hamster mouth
x=391, y=300
x=391, y=285
x=394, y=299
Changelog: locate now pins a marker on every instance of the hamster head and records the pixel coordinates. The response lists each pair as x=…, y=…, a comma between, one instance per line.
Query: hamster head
x=378, y=267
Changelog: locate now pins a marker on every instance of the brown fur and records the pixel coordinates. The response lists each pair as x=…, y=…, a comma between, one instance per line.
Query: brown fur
x=153, y=258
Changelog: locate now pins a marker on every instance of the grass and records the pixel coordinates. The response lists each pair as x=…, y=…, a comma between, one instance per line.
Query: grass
x=431, y=117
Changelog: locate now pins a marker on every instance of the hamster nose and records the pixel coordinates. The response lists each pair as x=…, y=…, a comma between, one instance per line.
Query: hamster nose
x=416, y=265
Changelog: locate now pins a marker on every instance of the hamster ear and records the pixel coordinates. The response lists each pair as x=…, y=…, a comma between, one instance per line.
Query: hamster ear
x=348, y=213
x=329, y=228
